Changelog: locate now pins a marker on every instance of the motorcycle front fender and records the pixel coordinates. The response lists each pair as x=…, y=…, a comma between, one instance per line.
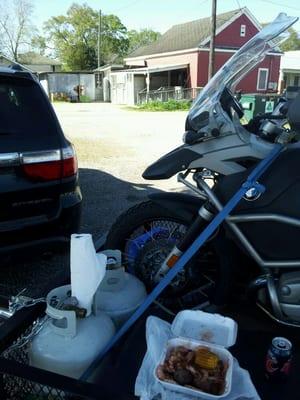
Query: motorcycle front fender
x=171, y=163
x=181, y=205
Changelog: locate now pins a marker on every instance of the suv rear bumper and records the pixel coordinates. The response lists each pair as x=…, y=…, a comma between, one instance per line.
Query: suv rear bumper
x=45, y=231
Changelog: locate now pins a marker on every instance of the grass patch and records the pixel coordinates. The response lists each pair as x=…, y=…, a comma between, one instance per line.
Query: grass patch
x=85, y=99
x=92, y=151
x=171, y=105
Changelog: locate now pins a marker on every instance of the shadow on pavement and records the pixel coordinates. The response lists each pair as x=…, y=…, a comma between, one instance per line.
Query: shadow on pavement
x=40, y=270
x=105, y=197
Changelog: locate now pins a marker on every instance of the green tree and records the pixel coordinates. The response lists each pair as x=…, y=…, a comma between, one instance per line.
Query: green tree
x=141, y=38
x=292, y=43
x=73, y=37
x=39, y=44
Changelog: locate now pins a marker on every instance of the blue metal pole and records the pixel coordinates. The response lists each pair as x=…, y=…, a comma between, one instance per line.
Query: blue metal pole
x=188, y=254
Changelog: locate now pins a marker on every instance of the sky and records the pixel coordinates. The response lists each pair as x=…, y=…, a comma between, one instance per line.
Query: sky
x=160, y=15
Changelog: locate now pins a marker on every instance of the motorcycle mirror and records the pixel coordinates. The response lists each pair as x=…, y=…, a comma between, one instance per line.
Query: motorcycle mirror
x=191, y=137
x=198, y=123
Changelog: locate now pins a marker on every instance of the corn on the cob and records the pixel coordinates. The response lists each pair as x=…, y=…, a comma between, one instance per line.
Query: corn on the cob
x=206, y=359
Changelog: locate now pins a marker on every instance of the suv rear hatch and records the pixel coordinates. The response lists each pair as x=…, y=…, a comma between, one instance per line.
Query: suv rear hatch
x=34, y=154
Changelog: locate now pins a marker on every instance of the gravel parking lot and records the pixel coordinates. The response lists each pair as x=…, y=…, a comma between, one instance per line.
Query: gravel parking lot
x=114, y=145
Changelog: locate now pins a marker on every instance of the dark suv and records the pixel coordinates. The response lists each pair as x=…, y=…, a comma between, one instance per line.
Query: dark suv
x=40, y=198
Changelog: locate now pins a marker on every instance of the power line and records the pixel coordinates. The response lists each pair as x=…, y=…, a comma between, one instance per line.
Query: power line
x=211, y=61
x=238, y=4
x=99, y=38
x=127, y=6
x=203, y=2
x=280, y=4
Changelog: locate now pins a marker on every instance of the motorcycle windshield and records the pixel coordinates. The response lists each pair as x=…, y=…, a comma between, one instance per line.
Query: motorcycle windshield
x=242, y=62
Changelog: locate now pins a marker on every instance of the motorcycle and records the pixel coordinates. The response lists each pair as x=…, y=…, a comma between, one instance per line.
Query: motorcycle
x=218, y=154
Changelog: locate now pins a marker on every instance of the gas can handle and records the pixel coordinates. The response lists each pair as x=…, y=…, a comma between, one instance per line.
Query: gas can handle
x=114, y=258
x=59, y=315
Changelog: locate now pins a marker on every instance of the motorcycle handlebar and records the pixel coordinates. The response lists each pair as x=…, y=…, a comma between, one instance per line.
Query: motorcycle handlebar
x=269, y=116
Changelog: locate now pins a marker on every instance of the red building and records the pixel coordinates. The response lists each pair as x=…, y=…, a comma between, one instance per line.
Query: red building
x=180, y=56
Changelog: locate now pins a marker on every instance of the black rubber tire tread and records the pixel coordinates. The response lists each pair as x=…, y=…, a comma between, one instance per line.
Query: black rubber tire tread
x=134, y=217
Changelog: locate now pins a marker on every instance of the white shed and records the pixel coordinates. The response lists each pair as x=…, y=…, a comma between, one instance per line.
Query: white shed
x=126, y=84
x=289, y=69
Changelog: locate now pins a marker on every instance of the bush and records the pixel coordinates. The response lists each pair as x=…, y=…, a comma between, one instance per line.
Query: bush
x=61, y=96
x=170, y=105
x=85, y=99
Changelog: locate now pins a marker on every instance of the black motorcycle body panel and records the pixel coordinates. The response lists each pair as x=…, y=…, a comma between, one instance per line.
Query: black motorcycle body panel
x=273, y=240
x=170, y=164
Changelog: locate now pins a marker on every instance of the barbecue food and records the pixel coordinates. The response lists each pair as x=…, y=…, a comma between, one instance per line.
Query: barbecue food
x=199, y=369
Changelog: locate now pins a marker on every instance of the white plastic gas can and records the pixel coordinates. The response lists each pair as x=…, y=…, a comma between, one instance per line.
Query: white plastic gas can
x=119, y=293
x=67, y=345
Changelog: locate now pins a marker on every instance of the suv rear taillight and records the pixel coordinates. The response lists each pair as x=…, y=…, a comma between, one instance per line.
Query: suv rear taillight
x=50, y=165
x=70, y=166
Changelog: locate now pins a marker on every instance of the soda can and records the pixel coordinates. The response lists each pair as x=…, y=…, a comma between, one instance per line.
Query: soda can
x=278, y=360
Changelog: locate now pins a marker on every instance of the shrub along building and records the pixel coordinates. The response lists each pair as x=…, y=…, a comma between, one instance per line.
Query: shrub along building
x=178, y=61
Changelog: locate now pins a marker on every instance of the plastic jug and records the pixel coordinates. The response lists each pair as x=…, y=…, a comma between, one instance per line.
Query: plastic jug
x=119, y=293
x=67, y=345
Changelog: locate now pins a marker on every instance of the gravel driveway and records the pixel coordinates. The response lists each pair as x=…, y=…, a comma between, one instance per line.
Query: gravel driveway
x=114, y=146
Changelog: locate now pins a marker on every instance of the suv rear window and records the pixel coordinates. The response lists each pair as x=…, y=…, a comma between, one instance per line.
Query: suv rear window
x=23, y=109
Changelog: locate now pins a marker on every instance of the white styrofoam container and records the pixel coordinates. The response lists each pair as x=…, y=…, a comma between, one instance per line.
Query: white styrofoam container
x=197, y=328
x=206, y=327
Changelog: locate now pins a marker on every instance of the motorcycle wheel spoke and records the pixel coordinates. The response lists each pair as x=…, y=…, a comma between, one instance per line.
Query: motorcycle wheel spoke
x=166, y=233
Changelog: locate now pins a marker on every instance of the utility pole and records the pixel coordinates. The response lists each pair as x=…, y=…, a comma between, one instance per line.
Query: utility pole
x=211, y=64
x=99, y=38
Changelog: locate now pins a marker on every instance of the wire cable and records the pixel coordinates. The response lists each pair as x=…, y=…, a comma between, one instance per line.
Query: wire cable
x=238, y=4
x=280, y=4
x=126, y=6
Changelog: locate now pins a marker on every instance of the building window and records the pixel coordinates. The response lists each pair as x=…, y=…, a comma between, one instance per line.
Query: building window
x=296, y=80
x=262, y=79
x=243, y=31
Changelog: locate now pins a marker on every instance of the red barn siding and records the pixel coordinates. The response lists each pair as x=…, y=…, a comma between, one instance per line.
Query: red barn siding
x=230, y=36
x=248, y=84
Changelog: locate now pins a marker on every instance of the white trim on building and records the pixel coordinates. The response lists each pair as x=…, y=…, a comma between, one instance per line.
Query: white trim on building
x=130, y=61
x=259, y=73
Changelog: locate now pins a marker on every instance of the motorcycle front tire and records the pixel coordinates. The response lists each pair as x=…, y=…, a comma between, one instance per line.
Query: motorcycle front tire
x=149, y=211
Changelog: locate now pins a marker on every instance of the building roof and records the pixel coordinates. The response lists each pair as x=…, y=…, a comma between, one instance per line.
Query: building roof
x=184, y=36
x=32, y=58
x=7, y=62
x=152, y=69
x=290, y=60
x=109, y=66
